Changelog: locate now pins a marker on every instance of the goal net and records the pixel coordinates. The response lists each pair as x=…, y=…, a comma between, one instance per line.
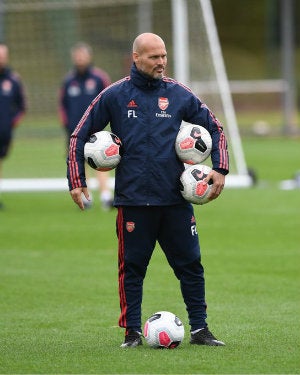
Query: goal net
x=40, y=34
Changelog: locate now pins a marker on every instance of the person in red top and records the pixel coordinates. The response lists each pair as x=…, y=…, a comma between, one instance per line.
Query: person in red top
x=80, y=86
x=12, y=104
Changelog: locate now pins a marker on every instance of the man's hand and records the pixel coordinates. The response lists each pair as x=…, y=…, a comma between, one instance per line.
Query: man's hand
x=77, y=197
x=218, y=180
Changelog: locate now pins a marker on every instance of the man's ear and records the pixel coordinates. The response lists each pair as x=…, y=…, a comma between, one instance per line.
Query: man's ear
x=135, y=56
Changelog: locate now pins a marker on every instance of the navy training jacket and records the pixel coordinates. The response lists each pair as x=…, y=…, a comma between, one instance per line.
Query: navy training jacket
x=146, y=115
x=77, y=92
x=12, y=101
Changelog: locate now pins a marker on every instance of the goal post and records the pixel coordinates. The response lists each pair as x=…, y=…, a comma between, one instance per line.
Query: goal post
x=217, y=78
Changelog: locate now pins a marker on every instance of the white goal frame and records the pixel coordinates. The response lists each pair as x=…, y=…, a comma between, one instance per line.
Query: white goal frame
x=181, y=72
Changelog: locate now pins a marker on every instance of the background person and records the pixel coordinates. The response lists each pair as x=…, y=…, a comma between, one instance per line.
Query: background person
x=12, y=105
x=146, y=111
x=79, y=88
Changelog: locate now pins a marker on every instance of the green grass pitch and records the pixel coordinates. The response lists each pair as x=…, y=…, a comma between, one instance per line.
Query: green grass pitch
x=58, y=282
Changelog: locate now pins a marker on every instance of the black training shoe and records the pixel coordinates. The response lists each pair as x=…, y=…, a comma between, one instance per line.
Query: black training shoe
x=132, y=339
x=205, y=337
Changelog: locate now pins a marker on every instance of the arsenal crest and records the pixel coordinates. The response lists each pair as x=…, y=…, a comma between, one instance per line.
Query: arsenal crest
x=130, y=225
x=6, y=86
x=163, y=103
x=90, y=85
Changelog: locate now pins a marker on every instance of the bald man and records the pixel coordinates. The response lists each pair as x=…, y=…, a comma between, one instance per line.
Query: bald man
x=146, y=110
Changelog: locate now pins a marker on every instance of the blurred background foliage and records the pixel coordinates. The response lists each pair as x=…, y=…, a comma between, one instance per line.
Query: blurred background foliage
x=41, y=32
x=250, y=35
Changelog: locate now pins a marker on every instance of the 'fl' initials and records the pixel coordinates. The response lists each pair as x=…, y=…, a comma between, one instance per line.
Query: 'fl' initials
x=194, y=230
x=131, y=113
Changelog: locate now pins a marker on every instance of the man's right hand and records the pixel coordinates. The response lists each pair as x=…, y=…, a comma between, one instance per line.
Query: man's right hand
x=77, y=197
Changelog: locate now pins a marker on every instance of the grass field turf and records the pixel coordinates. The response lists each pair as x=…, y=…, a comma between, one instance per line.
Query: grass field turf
x=59, y=302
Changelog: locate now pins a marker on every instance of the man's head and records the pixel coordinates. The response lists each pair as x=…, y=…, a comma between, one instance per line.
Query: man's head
x=81, y=55
x=3, y=56
x=149, y=54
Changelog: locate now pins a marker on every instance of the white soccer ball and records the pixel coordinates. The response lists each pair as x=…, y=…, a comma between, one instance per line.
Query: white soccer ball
x=193, y=144
x=163, y=330
x=103, y=151
x=193, y=189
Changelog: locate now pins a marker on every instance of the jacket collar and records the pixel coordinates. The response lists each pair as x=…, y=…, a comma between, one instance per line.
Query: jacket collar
x=83, y=74
x=143, y=81
x=5, y=72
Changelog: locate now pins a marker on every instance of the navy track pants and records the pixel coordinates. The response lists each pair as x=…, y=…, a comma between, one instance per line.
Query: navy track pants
x=174, y=227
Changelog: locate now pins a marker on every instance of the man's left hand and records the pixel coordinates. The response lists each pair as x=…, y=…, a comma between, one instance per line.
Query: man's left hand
x=218, y=180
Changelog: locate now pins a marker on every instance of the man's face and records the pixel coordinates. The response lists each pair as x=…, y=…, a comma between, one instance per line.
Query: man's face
x=3, y=56
x=81, y=58
x=152, y=59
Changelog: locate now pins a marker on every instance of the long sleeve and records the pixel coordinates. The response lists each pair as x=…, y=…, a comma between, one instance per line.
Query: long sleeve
x=19, y=104
x=198, y=113
x=90, y=123
x=62, y=105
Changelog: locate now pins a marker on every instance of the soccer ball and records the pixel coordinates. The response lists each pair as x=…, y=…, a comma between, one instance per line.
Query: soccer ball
x=103, y=151
x=163, y=330
x=193, y=144
x=193, y=189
